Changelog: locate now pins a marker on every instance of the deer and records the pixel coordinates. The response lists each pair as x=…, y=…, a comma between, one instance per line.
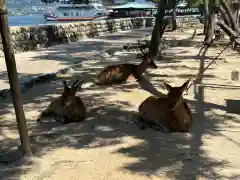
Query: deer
x=168, y=114
x=67, y=107
x=120, y=73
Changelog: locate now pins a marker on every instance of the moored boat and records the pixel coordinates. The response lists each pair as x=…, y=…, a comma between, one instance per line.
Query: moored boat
x=66, y=11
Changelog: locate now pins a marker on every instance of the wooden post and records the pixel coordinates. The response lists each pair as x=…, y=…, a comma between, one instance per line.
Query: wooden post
x=13, y=79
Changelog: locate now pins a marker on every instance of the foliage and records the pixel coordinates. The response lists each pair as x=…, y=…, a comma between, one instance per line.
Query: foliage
x=194, y=3
x=191, y=3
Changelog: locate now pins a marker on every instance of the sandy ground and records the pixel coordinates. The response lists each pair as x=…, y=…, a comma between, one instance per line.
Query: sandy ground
x=107, y=146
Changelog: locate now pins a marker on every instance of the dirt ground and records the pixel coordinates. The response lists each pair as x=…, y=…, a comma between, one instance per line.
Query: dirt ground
x=108, y=146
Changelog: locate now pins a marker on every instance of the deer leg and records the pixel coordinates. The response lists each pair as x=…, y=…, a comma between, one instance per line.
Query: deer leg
x=61, y=119
x=137, y=76
x=43, y=114
x=141, y=122
x=160, y=127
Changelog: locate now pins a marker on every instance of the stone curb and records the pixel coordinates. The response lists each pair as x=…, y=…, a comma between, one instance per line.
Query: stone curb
x=30, y=82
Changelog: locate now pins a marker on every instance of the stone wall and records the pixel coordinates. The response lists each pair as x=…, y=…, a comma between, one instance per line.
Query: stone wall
x=27, y=38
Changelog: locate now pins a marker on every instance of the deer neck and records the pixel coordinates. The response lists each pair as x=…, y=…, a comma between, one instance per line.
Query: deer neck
x=142, y=67
x=179, y=111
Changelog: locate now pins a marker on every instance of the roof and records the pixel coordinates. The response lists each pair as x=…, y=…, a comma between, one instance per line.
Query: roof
x=135, y=5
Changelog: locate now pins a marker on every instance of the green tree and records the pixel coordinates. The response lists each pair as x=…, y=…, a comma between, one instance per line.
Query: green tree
x=160, y=24
x=174, y=15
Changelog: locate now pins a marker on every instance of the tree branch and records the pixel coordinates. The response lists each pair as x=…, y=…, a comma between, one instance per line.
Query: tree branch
x=230, y=15
x=229, y=31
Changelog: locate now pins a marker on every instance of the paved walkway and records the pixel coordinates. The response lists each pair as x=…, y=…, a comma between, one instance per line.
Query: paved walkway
x=52, y=59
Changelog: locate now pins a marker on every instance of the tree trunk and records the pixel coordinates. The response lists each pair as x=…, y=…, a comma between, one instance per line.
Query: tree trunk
x=212, y=22
x=238, y=15
x=206, y=16
x=235, y=13
x=229, y=31
x=157, y=30
x=13, y=80
x=174, y=15
x=207, y=41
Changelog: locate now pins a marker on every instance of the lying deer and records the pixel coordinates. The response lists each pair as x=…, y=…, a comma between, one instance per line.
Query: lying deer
x=117, y=74
x=68, y=107
x=168, y=114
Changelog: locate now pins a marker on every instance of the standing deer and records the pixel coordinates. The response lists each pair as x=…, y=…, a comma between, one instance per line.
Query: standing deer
x=67, y=107
x=168, y=114
x=117, y=74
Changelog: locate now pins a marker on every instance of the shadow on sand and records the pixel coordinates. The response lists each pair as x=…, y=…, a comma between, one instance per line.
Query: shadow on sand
x=180, y=156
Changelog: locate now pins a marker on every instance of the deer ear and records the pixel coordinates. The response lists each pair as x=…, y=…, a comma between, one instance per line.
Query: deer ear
x=167, y=86
x=78, y=84
x=66, y=88
x=75, y=83
x=184, y=86
x=65, y=85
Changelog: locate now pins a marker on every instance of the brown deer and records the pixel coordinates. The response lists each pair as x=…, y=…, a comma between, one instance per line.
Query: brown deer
x=168, y=114
x=67, y=107
x=117, y=74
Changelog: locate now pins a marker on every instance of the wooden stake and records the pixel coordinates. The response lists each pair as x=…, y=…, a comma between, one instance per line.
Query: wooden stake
x=13, y=79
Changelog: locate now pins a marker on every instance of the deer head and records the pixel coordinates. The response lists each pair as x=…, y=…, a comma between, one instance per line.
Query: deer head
x=175, y=95
x=69, y=93
x=145, y=56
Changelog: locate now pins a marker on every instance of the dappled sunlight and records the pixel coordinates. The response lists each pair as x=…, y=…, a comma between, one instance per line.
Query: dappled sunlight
x=108, y=141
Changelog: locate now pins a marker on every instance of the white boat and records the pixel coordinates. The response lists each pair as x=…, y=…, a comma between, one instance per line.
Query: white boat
x=65, y=11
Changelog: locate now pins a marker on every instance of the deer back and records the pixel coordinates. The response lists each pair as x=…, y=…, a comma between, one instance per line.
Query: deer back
x=154, y=110
x=116, y=73
x=171, y=111
x=121, y=72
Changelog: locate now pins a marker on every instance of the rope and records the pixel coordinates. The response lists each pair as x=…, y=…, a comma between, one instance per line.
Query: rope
x=216, y=57
x=210, y=63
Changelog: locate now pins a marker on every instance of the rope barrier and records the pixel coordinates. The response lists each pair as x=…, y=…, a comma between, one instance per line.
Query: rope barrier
x=210, y=64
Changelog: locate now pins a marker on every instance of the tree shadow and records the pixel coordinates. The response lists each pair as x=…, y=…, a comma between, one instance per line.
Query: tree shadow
x=222, y=86
x=5, y=81
x=109, y=120
x=174, y=58
x=182, y=76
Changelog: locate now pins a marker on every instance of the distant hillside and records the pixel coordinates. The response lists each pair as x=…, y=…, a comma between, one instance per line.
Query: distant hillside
x=23, y=3
x=25, y=7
